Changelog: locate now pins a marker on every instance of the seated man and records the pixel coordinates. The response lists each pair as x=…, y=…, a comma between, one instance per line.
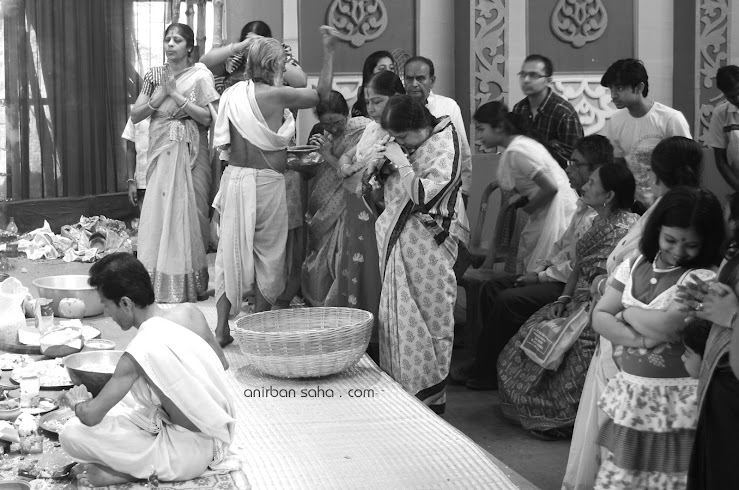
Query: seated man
x=507, y=301
x=166, y=410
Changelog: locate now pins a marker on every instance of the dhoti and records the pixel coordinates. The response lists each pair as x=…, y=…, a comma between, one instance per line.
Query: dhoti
x=254, y=226
x=174, y=452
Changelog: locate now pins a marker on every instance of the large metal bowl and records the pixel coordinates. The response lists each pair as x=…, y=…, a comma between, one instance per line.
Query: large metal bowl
x=57, y=288
x=93, y=380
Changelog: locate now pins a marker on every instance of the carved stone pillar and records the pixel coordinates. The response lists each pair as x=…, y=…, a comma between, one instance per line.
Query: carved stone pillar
x=712, y=24
x=488, y=56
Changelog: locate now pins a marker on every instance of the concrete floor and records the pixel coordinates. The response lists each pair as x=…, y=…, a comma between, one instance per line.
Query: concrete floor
x=475, y=413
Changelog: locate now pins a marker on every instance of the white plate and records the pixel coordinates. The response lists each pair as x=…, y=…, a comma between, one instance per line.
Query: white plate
x=51, y=373
x=9, y=362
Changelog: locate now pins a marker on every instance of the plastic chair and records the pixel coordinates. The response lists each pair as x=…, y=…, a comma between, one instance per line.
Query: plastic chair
x=504, y=249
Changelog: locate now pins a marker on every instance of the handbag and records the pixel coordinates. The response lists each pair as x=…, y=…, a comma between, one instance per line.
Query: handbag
x=547, y=342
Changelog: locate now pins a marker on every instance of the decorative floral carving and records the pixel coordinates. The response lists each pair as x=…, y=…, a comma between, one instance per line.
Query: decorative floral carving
x=358, y=21
x=489, y=55
x=579, y=21
x=590, y=99
x=711, y=54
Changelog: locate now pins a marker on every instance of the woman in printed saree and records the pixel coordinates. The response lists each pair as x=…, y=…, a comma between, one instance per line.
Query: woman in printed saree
x=544, y=401
x=179, y=98
x=542, y=189
x=651, y=405
x=417, y=236
x=359, y=285
x=336, y=134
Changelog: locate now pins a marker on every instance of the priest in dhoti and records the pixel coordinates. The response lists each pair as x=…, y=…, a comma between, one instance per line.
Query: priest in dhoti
x=166, y=410
x=255, y=125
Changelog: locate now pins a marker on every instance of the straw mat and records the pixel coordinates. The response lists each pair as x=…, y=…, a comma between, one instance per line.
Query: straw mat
x=356, y=429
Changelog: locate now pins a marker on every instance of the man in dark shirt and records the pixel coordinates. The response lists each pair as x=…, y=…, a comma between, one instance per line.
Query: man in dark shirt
x=553, y=120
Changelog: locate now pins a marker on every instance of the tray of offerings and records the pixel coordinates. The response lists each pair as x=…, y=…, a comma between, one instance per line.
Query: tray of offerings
x=51, y=373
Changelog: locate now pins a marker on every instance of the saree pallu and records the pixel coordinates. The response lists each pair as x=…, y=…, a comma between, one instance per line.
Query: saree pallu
x=417, y=244
x=324, y=220
x=171, y=245
x=543, y=399
x=358, y=284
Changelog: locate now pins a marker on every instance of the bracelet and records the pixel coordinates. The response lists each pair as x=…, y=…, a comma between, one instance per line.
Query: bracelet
x=151, y=106
x=564, y=299
x=644, y=341
x=341, y=169
x=182, y=107
x=733, y=318
x=131, y=181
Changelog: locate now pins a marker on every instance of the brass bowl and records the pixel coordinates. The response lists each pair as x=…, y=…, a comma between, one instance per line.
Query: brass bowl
x=94, y=381
x=57, y=288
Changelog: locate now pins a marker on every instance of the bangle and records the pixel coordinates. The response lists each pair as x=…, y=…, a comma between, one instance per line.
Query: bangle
x=187, y=101
x=644, y=341
x=151, y=106
x=564, y=299
x=341, y=169
x=131, y=181
x=733, y=318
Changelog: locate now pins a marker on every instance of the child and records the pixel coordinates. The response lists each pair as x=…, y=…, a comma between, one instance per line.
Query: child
x=695, y=336
x=137, y=159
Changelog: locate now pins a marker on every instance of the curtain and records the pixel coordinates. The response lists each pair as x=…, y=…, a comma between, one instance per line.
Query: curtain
x=69, y=81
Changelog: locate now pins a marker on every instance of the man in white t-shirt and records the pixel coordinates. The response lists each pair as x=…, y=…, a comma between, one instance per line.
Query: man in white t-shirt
x=640, y=123
x=723, y=133
x=137, y=159
x=419, y=80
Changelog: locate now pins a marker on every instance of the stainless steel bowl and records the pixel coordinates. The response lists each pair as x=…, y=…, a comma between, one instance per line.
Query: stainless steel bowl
x=14, y=485
x=94, y=381
x=3, y=276
x=57, y=288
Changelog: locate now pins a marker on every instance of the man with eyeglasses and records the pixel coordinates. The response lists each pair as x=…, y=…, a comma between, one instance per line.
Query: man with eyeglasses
x=553, y=120
x=635, y=131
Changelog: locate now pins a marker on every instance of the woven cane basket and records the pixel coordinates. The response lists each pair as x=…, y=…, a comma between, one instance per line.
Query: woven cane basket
x=304, y=342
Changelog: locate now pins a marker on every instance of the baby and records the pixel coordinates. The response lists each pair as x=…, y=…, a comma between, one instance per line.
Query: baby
x=694, y=337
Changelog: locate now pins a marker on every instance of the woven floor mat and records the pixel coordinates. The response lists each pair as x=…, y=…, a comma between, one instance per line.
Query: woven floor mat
x=357, y=429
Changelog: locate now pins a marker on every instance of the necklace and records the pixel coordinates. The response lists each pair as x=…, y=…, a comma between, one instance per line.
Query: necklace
x=657, y=270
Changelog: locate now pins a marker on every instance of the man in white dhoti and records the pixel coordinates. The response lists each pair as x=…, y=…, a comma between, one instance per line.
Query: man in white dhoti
x=255, y=124
x=166, y=409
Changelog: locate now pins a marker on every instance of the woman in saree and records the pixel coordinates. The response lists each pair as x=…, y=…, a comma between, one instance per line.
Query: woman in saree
x=358, y=285
x=417, y=236
x=545, y=401
x=542, y=189
x=675, y=161
x=650, y=406
x=374, y=63
x=179, y=97
x=713, y=461
x=336, y=134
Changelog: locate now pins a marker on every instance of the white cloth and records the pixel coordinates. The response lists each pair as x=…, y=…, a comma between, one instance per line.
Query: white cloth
x=522, y=161
x=634, y=140
x=723, y=132
x=440, y=106
x=139, y=134
x=628, y=247
x=137, y=434
x=251, y=203
x=239, y=107
x=558, y=268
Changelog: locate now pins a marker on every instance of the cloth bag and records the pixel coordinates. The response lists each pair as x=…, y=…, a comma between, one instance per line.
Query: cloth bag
x=547, y=342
